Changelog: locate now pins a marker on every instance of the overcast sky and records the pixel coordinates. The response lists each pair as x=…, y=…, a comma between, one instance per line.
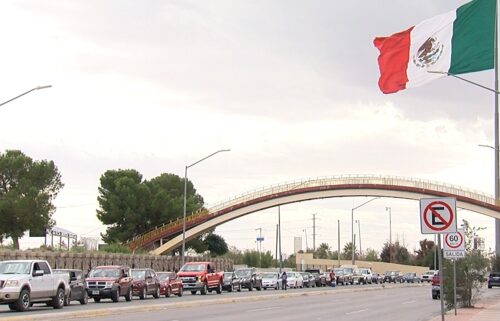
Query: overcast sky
x=289, y=86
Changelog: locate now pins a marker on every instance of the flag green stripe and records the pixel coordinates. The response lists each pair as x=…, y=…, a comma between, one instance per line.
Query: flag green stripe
x=473, y=37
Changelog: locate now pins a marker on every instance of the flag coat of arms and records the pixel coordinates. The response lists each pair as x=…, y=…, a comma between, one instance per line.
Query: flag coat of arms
x=457, y=42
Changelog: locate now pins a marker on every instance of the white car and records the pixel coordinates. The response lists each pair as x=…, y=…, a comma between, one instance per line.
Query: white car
x=294, y=280
x=270, y=280
x=427, y=276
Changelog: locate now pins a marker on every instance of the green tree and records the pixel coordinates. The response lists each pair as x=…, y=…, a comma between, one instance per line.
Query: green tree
x=290, y=262
x=347, y=252
x=395, y=253
x=425, y=255
x=216, y=244
x=495, y=263
x=470, y=273
x=323, y=251
x=27, y=189
x=371, y=255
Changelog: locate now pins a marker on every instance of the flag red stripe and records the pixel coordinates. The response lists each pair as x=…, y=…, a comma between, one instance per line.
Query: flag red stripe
x=393, y=61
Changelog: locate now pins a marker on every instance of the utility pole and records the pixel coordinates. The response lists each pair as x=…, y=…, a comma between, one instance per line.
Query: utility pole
x=390, y=234
x=359, y=230
x=279, y=238
x=259, y=239
x=338, y=246
x=276, y=253
x=314, y=233
x=305, y=231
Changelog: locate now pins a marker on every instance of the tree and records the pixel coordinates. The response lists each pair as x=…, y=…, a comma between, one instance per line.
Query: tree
x=27, y=189
x=347, y=252
x=470, y=273
x=323, y=251
x=425, y=255
x=131, y=206
x=216, y=244
x=371, y=255
x=395, y=253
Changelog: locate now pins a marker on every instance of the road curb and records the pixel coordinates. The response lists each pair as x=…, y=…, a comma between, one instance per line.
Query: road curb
x=176, y=305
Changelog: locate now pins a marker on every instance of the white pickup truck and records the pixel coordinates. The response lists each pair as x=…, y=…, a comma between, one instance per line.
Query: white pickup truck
x=25, y=282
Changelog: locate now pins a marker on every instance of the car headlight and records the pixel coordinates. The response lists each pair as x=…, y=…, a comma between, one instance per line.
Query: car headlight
x=13, y=283
x=110, y=284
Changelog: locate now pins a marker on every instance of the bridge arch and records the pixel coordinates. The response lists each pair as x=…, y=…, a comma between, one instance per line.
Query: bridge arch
x=311, y=189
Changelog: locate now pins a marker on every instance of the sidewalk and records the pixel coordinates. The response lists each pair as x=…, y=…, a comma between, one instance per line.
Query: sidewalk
x=487, y=311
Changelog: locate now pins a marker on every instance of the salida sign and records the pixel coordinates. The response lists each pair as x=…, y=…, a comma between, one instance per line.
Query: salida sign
x=454, y=245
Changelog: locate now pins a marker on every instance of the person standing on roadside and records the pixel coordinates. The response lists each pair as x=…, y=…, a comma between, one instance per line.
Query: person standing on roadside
x=283, y=280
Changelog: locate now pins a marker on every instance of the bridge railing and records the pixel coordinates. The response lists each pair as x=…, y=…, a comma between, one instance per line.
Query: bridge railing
x=347, y=180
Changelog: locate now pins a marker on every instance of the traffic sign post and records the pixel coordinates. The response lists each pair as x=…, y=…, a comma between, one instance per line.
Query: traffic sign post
x=438, y=215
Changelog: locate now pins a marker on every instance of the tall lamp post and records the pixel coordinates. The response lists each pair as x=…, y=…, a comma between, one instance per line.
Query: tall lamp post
x=352, y=223
x=36, y=88
x=359, y=232
x=185, y=200
x=390, y=234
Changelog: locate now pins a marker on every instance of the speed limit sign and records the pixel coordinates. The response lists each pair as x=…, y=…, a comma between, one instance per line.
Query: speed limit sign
x=454, y=245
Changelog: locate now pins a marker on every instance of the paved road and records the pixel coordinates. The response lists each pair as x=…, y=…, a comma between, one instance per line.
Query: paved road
x=366, y=303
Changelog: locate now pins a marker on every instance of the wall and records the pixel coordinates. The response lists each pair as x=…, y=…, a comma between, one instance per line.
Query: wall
x=85, y=261
x=306, y=261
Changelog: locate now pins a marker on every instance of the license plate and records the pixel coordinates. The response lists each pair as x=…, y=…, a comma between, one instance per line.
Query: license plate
x=95, y=292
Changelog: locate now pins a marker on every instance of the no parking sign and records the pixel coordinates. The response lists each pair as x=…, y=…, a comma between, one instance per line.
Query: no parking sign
x=438, y=215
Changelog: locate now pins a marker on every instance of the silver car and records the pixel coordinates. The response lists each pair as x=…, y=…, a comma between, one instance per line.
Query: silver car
x=270, y=280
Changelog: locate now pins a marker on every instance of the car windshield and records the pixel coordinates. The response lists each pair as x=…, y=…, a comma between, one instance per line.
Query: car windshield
x=15, y=267
x=348, y=270
x=139, y=274
x=388, y=273
x=164, y=276
x=243, y=273
x=228, y=275
x=193, y=268
x=104, y=273
x=269, y=275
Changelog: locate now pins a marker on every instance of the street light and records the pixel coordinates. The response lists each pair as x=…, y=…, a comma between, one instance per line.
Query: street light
x=36, y=88
x=390, y=234
x=359, y=230
x=185, y=199
x=352, y=223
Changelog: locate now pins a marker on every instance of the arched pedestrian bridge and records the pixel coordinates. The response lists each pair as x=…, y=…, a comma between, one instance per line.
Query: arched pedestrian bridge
x=310, y=189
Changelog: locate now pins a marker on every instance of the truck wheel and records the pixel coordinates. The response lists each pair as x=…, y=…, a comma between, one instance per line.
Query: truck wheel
x=58, y=300
x=250, y=287
x=142, y=296
x=156, y=295
x=85, y=299
x=97, y=300
x=180, y=292
x=115, y=295
x=203, y=290
x=193, y=292
x=219, y=289
x=23, y=302
x=128, y=296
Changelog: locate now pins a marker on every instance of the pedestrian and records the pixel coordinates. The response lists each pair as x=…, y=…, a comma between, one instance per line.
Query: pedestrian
x=332, y=278
x=283, y=280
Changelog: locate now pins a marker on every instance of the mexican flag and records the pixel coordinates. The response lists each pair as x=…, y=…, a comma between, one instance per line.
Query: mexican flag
x=456, y=42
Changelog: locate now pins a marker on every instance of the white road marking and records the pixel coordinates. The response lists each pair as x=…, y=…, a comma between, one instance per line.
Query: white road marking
x=358, y=311
x=409, y=302
x=263, y=309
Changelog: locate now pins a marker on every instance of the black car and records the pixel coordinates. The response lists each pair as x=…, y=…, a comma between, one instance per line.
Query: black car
x=494, y=279
x=249, y=278
x=231, y=282
x=392, y=276
x=319, y=278
x=77, y=285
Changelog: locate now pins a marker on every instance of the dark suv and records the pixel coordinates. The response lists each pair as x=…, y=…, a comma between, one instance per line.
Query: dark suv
x=249, y=278
x=145, y=283
x=110, y=281
x=494, y=279
x=76, y=281
x=319, y=278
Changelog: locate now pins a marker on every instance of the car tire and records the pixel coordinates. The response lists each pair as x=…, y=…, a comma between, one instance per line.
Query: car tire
x=143, y=294
x=193, y=292
x=128, y=296
x=204, y=289
x=168, y=292
x=97, y=300
x=490, y=286
x=85, y=298
x=156, y=295
x=58, y=300
x=250, y=286
x=259, y=287
x=239, y=287
x=23, y=302
x=219, y=289
x=115, y=295
x=180, y=292
x=231, y=288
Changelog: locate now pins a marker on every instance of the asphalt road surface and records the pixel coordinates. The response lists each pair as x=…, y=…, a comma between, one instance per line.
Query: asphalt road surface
x=362, y=303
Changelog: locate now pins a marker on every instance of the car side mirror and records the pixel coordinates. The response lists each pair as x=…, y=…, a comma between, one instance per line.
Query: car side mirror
x=38, y=273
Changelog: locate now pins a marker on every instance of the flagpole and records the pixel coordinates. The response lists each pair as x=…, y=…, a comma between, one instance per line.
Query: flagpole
x=497, y=147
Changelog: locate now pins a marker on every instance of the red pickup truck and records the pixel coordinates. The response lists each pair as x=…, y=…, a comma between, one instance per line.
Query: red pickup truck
x=201, y=276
